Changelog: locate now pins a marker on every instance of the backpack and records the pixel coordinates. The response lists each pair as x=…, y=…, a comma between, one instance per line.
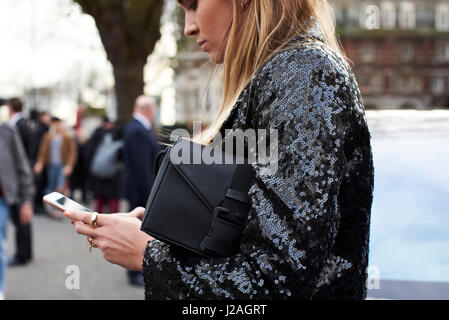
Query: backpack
x=105, y=163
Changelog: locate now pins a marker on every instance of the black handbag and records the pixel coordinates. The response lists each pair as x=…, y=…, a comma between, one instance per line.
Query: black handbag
x=197, y=206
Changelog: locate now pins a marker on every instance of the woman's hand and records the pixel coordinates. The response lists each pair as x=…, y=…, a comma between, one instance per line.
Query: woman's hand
x=138, y=213
x=117, y=235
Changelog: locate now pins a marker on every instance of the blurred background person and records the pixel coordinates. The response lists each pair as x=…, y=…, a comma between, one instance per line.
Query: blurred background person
x=104, y=147
x=78, y=180
x=141, y=147
x=24, y=125
x=23, y=232
x=58, y=153
x=40, y=180
x=16, y=189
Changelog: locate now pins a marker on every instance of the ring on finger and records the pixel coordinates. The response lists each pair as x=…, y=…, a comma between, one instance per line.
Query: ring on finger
x=91, y=243
x=93, y=219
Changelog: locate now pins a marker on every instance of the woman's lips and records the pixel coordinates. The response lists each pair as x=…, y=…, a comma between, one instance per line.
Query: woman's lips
x=202, y=44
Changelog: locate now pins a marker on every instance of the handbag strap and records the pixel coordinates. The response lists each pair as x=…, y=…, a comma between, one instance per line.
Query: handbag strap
x=158, y=160
x=229, y=218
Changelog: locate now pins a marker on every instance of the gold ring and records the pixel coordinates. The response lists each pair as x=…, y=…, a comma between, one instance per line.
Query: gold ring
x=93, y=219
x=91, y=243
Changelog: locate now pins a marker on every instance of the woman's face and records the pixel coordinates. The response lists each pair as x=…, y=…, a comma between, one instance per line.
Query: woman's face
x=209, y=21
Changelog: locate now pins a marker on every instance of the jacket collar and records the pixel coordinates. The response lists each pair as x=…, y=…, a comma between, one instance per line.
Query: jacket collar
x=142, y=120
x=15, y=118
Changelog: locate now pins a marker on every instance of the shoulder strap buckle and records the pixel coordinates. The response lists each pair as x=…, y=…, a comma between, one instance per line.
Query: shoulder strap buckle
x=223, y=236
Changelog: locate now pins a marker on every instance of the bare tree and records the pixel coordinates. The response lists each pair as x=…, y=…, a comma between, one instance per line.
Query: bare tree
x=129, y=30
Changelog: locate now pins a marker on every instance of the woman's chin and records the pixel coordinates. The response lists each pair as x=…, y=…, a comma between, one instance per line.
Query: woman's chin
x=216, y=59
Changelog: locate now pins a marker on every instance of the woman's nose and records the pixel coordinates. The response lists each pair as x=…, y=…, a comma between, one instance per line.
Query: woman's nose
x=191, y=27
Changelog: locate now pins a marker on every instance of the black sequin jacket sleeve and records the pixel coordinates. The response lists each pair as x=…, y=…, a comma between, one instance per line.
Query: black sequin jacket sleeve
x=307, y=232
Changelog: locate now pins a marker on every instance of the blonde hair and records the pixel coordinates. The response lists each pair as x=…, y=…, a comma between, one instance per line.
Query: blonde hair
x=265, y=28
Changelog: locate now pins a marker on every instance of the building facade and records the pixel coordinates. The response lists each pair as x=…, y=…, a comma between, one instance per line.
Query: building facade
x=198, y=91
x=400, y=50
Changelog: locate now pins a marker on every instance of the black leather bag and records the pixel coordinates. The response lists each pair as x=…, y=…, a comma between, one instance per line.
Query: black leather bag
x=200, y=207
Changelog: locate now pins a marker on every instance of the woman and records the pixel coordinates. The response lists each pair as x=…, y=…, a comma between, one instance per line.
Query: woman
x=58, y=153
x=307, y=233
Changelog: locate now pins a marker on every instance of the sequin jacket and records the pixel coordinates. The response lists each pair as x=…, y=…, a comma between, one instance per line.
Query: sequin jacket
x=307, y=233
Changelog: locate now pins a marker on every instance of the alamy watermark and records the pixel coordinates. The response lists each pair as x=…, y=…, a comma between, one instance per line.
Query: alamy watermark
x=72, y=282
x=371, y=18
x=251, y=146
x=373, y=280
x=388, y=16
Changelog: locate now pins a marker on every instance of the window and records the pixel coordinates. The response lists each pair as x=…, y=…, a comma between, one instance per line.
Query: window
x=363, y=81
x=339, y=14
x=410, y=84
x=445, y=54
x=370, y=82
x=442, y=52
x=415, y=84
x=406, y=52
x=353, y=13
x=407, y=83
x=438, y=85
x=442, y=17
x=367, y=53
x=407, y=16
x=377, y=84
x=388, y=15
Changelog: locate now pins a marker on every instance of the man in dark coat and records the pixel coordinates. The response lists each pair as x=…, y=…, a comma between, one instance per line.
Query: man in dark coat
x=140, y=149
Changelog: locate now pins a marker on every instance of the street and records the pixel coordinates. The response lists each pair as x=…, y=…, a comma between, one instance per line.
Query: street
x=58, y=253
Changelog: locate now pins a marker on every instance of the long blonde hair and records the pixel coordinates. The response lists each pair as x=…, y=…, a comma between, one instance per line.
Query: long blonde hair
x=266, y=28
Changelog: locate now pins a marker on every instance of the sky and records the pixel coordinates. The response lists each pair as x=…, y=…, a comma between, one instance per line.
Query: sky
x=51, y=43
x=42, y=40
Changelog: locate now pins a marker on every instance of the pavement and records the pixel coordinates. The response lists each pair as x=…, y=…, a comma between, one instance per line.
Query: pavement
x=64, y=269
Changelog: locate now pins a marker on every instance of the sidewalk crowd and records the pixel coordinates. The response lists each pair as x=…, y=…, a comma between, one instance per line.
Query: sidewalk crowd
x=41, y=154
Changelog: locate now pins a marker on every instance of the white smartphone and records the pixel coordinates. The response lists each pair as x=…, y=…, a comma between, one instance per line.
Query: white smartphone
x=61, y=202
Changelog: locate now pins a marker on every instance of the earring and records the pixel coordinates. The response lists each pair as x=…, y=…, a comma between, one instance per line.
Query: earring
x=244, y=4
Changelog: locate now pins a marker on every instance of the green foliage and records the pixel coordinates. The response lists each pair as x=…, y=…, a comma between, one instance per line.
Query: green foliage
x=94, y=112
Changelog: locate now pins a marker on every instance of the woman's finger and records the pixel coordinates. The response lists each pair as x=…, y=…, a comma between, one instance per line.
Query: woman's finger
x=86, y=230
x=84, y=217
x=94, y=241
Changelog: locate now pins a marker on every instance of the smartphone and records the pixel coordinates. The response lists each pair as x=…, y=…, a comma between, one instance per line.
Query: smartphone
x=61, y=202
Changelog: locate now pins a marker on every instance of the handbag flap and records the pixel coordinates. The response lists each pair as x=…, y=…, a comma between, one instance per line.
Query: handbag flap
x=209, y=181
